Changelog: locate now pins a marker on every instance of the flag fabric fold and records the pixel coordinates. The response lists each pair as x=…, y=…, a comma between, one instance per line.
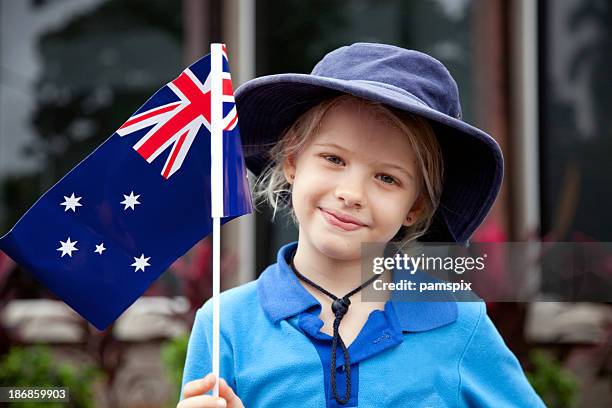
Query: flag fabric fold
x=117, y=221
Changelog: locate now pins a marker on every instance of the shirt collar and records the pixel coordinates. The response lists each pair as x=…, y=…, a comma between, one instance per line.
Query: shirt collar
x=281, y=296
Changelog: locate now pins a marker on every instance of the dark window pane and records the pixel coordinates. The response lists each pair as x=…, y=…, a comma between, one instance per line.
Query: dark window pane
x=576, y=131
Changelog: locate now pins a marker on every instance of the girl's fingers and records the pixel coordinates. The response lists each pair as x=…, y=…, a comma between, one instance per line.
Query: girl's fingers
x=194, y=390
x=199, y=386
x=202, y=401
x=226, y=391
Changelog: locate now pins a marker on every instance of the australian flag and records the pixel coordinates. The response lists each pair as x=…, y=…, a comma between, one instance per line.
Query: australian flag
x=113, y=224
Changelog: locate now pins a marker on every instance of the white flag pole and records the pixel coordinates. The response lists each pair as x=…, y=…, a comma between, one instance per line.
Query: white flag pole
x=216, y=186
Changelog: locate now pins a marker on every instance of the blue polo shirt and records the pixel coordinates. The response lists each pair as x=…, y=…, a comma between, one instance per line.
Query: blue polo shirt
x=411, y=354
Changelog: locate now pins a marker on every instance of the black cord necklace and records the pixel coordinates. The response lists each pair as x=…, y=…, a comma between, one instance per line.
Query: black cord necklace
x=339, y=308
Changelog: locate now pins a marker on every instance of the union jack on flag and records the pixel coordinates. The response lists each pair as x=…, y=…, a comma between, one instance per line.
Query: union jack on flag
x=112, y=225
x=175, y=125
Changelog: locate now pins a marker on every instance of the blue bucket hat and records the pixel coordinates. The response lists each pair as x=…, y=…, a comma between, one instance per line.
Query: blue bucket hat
x=402, y=79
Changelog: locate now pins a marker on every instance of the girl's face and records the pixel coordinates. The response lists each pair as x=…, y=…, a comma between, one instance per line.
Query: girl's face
x=355, y=181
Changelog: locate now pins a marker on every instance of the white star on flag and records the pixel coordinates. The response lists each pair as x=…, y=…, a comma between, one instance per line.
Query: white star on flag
x=141, y=263
x=130, y=201
x=67, y=247
x=71, y=203
x=100, y=248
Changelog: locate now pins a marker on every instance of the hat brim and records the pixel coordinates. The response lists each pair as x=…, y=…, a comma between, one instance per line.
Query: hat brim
x=473, y=162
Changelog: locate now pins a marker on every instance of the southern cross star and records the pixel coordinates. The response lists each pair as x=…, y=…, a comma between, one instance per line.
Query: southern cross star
x=100, y=248
x=130, y=201
x=68, y=247
x=71, y=203
x=141, y=263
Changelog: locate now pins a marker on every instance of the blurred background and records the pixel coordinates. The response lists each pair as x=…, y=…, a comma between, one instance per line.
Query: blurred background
x=536, y=74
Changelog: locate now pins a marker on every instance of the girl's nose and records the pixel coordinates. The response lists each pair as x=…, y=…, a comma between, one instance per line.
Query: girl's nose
x=350, y=192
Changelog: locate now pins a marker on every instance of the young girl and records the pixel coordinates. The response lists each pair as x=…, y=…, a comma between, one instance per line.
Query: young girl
x=370, y=147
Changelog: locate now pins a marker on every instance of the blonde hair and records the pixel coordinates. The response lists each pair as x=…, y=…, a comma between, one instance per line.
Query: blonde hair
x=273, y=188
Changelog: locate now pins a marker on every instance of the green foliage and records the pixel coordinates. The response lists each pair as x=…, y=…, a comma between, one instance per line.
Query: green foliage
x=35, y=367
x=174, y=353
x=555, y=385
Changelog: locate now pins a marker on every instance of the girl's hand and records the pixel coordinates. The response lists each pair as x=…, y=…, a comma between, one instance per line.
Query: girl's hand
x=194, y=398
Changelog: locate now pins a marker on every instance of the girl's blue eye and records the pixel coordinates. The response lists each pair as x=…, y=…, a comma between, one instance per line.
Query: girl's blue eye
x=385, y=178
x=334, y=159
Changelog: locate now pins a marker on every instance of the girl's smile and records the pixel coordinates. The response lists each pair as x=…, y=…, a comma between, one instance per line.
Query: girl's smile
x=341, y=220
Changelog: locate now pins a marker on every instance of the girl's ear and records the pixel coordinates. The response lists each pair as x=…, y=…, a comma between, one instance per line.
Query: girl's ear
x=289, y=168
x=415, y=213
